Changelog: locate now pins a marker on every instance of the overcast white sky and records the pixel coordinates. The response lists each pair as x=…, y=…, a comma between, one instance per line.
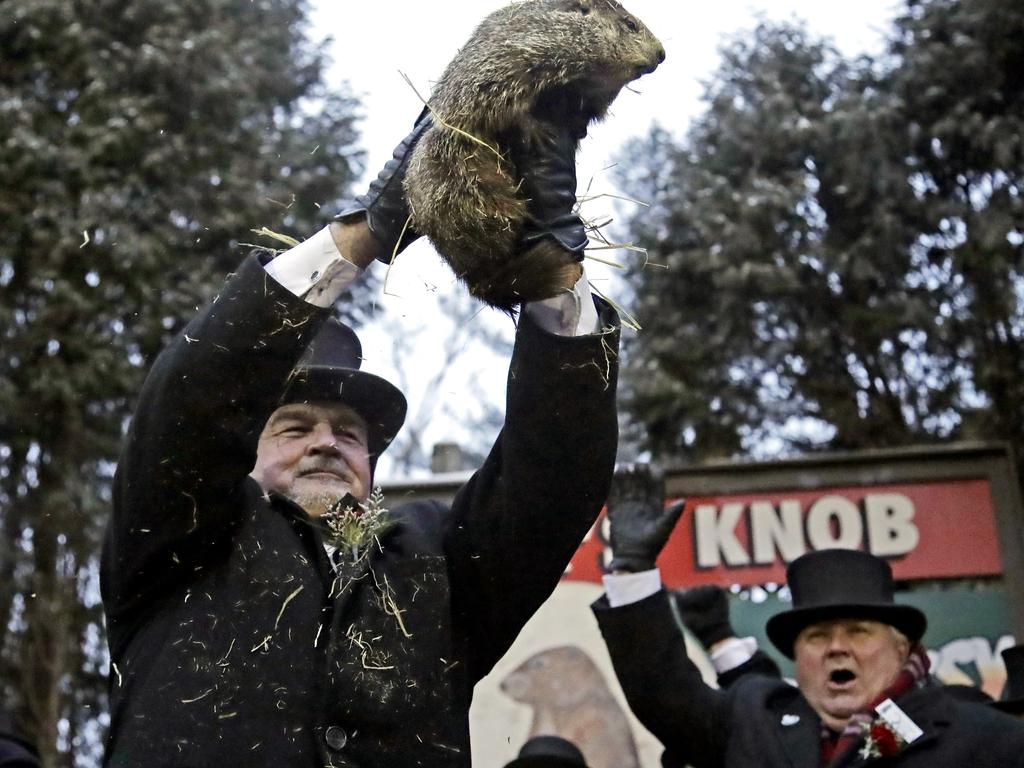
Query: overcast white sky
x=375, y=41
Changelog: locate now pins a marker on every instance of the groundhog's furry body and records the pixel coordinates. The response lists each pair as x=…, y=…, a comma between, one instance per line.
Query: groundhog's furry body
x=465, y=196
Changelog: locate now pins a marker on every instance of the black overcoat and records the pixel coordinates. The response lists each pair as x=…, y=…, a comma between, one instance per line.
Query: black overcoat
x=232, y=642
x=765, y=722
x=15, y=752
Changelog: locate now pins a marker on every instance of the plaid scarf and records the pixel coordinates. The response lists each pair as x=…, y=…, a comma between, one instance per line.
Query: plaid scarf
x=913, y=675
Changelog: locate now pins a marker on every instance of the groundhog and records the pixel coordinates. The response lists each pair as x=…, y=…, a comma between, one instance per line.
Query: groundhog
x=564, y=60
x=571, y=699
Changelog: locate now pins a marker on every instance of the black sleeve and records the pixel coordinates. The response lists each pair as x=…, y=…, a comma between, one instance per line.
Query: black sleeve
x=192, y=441
x=664, y=688
x=519, y=520
x=16, y=756
x=15, y=752
x=758, y=664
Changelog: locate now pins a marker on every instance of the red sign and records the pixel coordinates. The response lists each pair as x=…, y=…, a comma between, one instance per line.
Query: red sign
x=925, y=530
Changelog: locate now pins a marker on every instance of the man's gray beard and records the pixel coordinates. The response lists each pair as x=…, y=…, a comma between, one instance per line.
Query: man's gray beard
x=316, y=504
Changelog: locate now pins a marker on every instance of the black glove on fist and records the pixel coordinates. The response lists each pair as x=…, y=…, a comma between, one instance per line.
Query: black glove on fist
x=384, y=203
x=705, y=612
x=638, y=520
x=546, y=162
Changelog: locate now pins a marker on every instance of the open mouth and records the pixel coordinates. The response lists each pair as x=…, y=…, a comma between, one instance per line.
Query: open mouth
x=841, y=676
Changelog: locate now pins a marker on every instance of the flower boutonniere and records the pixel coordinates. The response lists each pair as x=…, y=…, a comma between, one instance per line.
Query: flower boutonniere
x=352, y=527
x=889, y=733
x=881, y=741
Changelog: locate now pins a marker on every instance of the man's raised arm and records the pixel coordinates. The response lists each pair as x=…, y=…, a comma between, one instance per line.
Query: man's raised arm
x=192, y=441
x=518, y=521
x=642, y=630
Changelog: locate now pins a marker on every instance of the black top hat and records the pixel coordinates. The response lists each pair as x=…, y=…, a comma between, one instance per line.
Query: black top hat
x=1012, y=698
x=548, y=752
x=841, y=584
x=329, y=370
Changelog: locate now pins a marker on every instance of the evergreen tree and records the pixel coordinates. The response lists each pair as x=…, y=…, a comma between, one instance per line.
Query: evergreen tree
x=830, y=280
x=960, y=82
x=140, y=142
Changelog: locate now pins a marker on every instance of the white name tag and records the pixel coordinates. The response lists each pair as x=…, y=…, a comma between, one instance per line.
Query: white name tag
x=899, y=721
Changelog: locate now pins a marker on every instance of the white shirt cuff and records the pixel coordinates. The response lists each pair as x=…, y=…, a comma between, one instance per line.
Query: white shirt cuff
x=733, y=652
x=571, y=313
x=314, y=270
x=625, y=588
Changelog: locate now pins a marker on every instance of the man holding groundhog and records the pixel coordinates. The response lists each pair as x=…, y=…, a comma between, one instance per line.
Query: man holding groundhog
x=264, y=607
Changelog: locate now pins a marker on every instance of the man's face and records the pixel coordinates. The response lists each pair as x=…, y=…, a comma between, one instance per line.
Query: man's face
x=314, y=453
x=841, y=665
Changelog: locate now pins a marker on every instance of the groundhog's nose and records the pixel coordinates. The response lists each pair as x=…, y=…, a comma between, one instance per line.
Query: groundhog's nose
x=650, y=68
x=660, y=55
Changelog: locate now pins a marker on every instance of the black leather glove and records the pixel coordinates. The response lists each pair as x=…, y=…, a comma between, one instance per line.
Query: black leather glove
x=705, y=612
x=638, y=520
x=384, y=204
x=546, y=162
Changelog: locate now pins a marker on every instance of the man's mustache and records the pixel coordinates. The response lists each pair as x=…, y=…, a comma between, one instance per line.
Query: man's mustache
x=331, y=467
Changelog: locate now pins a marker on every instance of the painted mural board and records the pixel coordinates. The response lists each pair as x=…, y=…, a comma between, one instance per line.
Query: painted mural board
x=749, y=538
x=938, y=514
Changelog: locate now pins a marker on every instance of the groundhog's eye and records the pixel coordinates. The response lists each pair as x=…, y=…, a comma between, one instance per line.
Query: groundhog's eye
x=631, y=25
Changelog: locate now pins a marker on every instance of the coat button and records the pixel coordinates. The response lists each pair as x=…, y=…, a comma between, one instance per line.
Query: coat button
x=336, y=738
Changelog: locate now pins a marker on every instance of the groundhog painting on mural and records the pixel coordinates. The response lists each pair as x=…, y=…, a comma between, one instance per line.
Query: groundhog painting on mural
x=527, y=66
x=570, y=698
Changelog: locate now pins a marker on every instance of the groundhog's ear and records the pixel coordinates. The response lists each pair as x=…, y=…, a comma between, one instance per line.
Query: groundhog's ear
x=581, y=6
